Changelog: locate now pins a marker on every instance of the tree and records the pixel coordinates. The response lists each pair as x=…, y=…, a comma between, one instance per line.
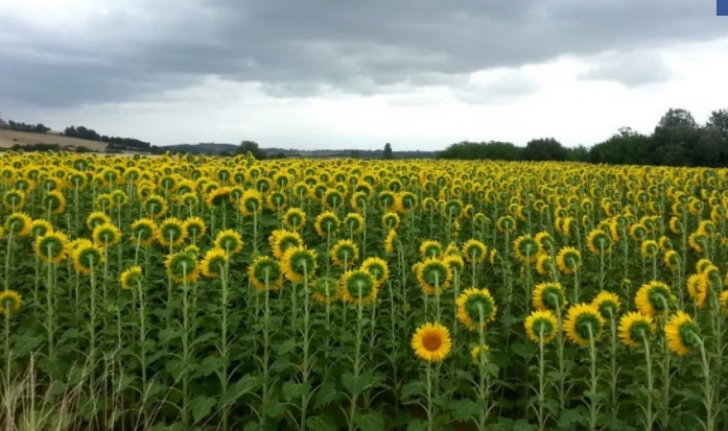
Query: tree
x=626, y=147
x=677, y=117
x=388, y=152
x=252, y=148
x=544, y=149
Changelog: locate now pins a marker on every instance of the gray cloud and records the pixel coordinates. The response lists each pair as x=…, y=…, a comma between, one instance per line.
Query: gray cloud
x=632, y=69
x=299, y=48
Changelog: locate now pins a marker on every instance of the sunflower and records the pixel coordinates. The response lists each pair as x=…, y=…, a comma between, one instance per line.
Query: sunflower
x=282, y=240
x=636, y=328
x=681, y=332
x=649, y=249
x=131, y=278
x=182, y=267
x=433, y=275
x=526, y=248
x=698, y=285
x=548, y=297
x=171, y=232
x=144, y=231
x=671, y=259
x=358, y=287
x=479, y=353
x=675, y=225
x=378, y=268
x=251, y=202
x=599, y=241
x=156, y=206
x=583, y=322
x=194, y=227
x=541, y=326
x=40, y=227
x=476, y=307
x=390, y=220
x=106, y=235
x=568, y=260
x=354, y=222
x=294, y=219
x=391, y=242
x=86, y=256
x=344, y=253
x=18, y=224
x=332, y=199
x=697, y=241
x=607, y=303
x=455, y=262
x=724, y=301
x=506, y=224
x=10, y=301
x=431, y=342
x=14, y=199
x=96, y=218
x=298, y=263
x=218, y=197
x=230, y=241
x=545, y=265
x=653, y=298
x=52, y=247
x=55, y=202
x=214, y=262
x=265, y=272
x=430, y=249
x=474, y=251
x=326, y=224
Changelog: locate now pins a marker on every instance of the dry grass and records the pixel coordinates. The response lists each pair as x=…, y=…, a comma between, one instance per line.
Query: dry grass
x=8, y=138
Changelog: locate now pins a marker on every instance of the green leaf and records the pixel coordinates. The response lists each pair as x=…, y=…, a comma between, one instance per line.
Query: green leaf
x=201, y=407
x=209, y=365
x=411, y=390
x=417, y=425
x=356, y=385
x=464, y=410
x=286, y=346
x=321, y=423
x=327, y=394
x=370, y=421
x=293, y=390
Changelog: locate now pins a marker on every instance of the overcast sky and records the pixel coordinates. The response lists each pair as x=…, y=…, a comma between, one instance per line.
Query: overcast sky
x=420, y=74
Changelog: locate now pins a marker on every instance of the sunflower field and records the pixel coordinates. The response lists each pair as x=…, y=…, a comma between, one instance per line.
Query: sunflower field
x=202, y=293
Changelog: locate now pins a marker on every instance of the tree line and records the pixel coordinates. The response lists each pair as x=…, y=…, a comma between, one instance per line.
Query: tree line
x=82, y=132
x=677, y=140
x=32, y=128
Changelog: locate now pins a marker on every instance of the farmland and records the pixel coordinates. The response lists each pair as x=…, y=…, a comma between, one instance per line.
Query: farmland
x=9, y=138
x=214, y=293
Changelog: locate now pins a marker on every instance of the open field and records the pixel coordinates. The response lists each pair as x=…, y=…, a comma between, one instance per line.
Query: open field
x=8, y=138
x=228, y=294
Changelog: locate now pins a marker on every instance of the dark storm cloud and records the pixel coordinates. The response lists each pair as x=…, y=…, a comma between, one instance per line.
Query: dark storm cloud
x=300, y=48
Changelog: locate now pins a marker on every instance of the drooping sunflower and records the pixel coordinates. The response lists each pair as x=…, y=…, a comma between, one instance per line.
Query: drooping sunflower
x=431, y=342
x=55, y=201
x=218, y=197
x=583, y=322
x=681, y=332
x=40, y=227
x=106, y=235
x=18, y=224
x=344, y=253
x=541, y=326
x=214, y=263
x=86, y=256
x=52, y=247
x=474, y=251
x=390, y=220
x=354, y=222
x=671, y=259
x=526, y=248
x=433, y=276
x=698, y=241
x=325, y=290
x=455, y=262
x=430, y=249
x=608, y=304
x=649, y=249
x=548, y=297
x=568, y=260
x=282, y=240
x=358, y=287
x=182, y=267
x=171, y=232
x=391, y=242
x=476, y=306
x=378, y=268
x=194, y=228
x=265, y=272
x=723, y=299
x=251, y=202
x=653, y=298
x=131, y=278
x=96, y=218
x=294, y=219
x=326, y=224
x=14, y=199
x=144, y=231
x=635, y=329
x=599, y=242
x=230, y=241
x=698, y=286
x=479, y=353
x=545, y=265
x=156, y=206
x=298, y=263
x=10, y=301
x=506, y=224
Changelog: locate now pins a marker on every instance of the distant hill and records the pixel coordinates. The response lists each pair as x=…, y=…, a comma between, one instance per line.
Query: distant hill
x=10, y=138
